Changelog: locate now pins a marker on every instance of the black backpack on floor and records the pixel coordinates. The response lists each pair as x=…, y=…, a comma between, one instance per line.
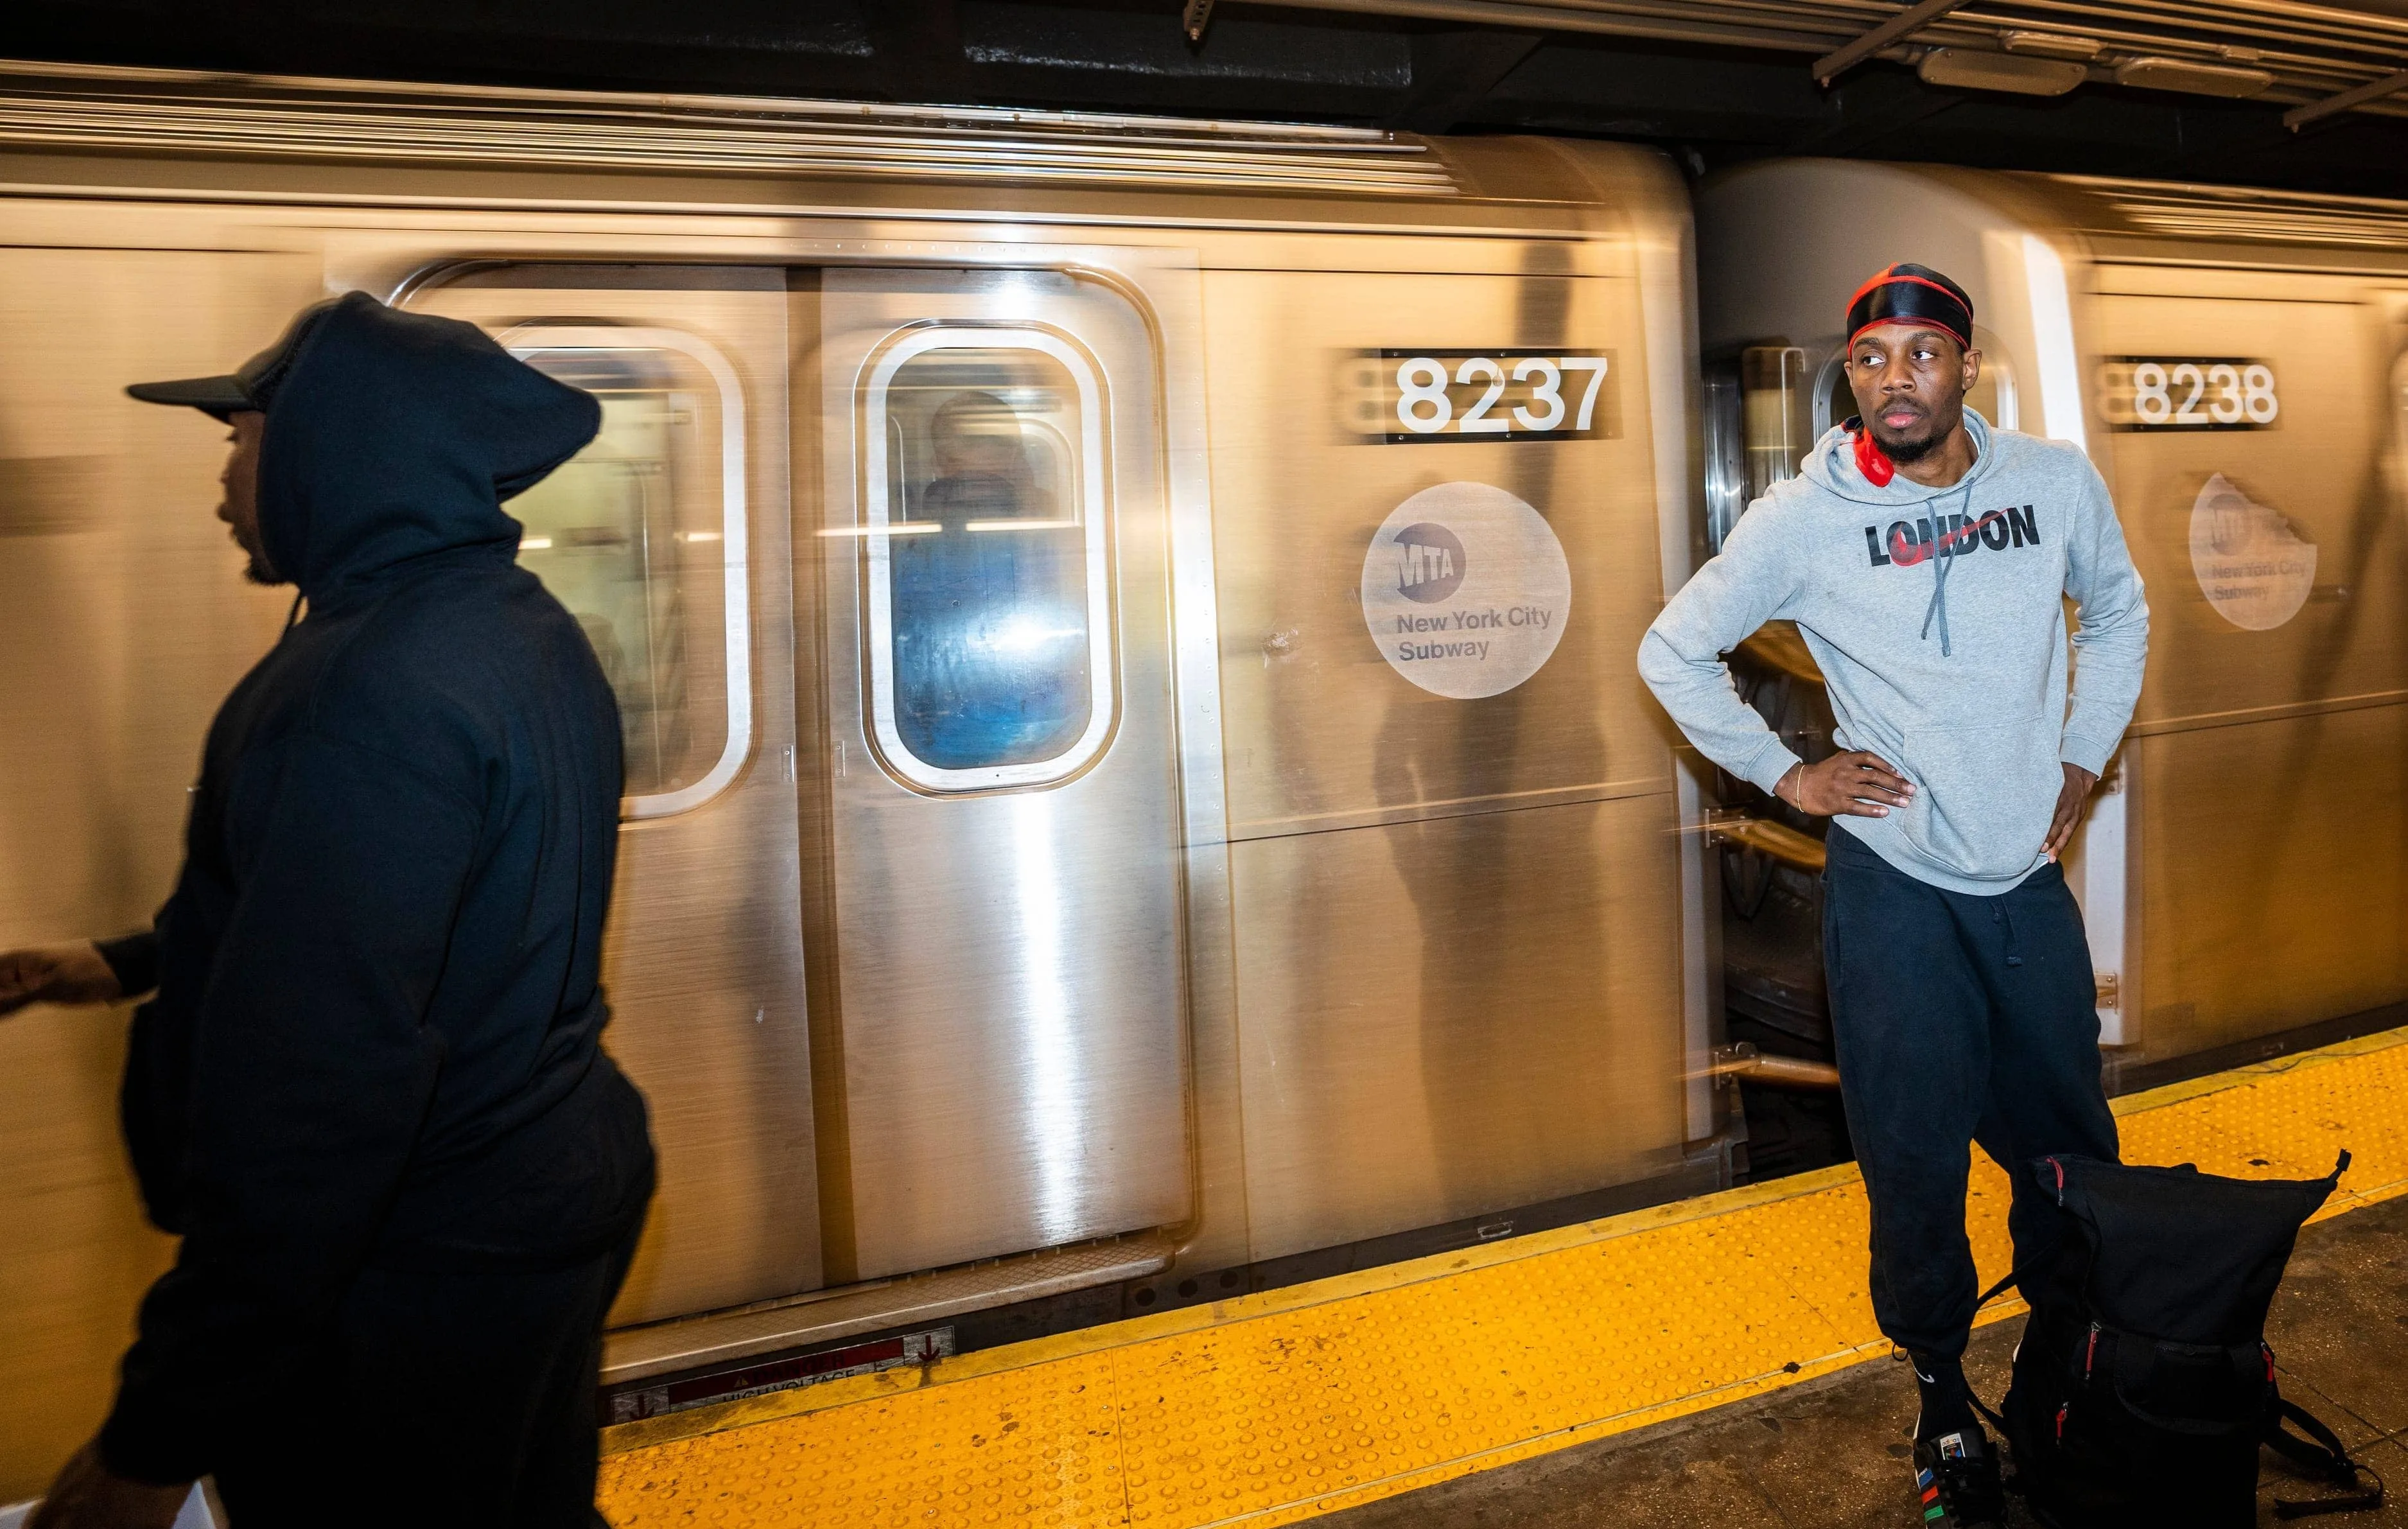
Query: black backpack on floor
x=2143, y=1385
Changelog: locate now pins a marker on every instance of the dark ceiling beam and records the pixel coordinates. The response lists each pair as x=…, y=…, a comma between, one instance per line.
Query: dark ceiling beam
x=1914, y=19
x=917, y=50
x=2207, y=140
x=1453, y=72
x=1859, y=115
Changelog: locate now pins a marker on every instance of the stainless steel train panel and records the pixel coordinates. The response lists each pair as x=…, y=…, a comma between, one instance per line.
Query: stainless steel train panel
x=125, y=617
x=899, y=1007
x=688, y=597
x=2302, y=521
x=1444, y=907
x=2277, y=867
x=2278, y=592
x=1456, y=1015
x=1006, y=871
x=1322, y=733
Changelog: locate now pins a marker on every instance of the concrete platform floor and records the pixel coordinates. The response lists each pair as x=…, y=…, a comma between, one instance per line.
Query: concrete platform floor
x=1833, y=1453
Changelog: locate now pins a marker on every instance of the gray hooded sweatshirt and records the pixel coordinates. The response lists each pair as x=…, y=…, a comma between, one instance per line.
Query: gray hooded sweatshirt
x=1939, y=621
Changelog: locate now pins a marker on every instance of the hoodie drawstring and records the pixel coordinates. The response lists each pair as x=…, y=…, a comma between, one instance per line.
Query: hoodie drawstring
x=1940, y=550
x=1943, y=553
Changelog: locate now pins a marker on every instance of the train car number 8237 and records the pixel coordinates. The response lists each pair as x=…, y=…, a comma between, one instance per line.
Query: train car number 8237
x=1412, y=397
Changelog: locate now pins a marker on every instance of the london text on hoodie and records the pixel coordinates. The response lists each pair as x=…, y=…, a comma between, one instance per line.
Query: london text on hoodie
x=1938, y=618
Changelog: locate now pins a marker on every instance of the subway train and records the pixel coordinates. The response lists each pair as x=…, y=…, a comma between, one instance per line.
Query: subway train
x=1137, y=788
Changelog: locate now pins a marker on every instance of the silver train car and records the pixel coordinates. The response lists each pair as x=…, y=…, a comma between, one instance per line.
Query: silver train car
x=1138, y=785
x=1124, y=627
x=2236, y=363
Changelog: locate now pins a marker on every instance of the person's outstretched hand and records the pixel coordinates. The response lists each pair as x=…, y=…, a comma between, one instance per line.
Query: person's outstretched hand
x=1856, y=784
x=55, y=974
x=87, y=1495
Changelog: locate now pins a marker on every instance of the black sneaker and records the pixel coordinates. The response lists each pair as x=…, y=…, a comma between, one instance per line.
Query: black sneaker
x=1957, y=1478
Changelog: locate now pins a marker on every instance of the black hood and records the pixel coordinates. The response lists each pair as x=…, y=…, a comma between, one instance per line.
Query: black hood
x=397, y=435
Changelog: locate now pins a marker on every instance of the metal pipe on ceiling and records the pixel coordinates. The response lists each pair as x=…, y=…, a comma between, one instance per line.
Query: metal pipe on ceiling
x=1831, y=65
x=2311, y=49
x=2300, y=116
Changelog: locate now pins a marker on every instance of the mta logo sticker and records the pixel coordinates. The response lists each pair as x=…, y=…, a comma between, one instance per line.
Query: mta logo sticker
x=2252, y=565
x=1466, y=590
x=1429, y=563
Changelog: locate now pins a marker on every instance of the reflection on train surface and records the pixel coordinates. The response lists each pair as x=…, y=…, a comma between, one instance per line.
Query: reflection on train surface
x=1137, y=786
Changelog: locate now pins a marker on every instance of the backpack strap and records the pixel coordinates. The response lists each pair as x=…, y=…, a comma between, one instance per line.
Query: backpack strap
x=1983, y=1299
x=2321, y=1453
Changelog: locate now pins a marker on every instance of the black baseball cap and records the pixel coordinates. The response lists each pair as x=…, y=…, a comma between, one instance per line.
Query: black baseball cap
x=250, y=386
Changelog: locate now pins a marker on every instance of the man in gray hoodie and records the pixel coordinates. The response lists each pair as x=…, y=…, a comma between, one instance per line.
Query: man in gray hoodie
x=1925, y=555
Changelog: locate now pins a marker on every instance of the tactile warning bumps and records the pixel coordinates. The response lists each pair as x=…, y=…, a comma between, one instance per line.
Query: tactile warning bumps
x=1037, y=1445
x=1281, y=1406
x=1215, y=1424
x=2289, y=1119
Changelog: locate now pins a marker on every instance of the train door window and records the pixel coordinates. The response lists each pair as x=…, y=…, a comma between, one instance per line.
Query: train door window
x=1834, y=404
x=989, y=637
x=1725, y=454
x=1778, y=420
x=1759, y=429
x=643, y=537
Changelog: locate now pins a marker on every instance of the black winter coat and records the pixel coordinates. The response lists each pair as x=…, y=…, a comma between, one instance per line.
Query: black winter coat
x=376, y=1040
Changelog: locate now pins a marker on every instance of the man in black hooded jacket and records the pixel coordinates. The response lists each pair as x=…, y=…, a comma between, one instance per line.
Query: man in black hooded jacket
x=370, y=1092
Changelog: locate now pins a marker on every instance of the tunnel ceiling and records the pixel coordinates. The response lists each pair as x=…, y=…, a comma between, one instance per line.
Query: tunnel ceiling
x=2171, y=88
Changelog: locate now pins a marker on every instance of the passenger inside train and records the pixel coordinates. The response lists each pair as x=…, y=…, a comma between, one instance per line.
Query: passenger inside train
x=989, y=594
x=1961, y=989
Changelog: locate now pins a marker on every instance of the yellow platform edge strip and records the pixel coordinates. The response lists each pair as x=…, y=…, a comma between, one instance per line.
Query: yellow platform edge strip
x=1281, y=1406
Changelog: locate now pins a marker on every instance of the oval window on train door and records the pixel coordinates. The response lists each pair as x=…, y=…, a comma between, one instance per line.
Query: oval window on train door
x=986, y=518
x=643, y=537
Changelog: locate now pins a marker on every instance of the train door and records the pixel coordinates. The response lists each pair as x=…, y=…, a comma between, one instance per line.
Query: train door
x=668, y=539
x=996, y=935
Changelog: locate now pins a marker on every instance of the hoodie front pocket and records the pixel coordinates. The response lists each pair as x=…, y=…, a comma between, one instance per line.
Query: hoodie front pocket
x=1984, y=797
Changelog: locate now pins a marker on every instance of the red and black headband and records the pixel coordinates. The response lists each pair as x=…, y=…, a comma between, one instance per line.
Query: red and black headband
x=1901, y=295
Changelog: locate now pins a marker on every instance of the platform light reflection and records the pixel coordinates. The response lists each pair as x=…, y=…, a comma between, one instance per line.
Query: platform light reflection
x=1050, y=1041
x=2052, y=315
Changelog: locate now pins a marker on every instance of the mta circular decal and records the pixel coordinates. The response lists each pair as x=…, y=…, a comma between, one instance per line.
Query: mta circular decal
x=2254, y=568
x=1466, y=590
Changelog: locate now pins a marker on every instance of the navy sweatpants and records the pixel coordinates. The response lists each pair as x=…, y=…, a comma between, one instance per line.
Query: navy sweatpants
x=1957, y=1019
x=464, y=1400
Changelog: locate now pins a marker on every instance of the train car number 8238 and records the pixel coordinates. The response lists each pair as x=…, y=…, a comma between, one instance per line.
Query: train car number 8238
x=2188, y=393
